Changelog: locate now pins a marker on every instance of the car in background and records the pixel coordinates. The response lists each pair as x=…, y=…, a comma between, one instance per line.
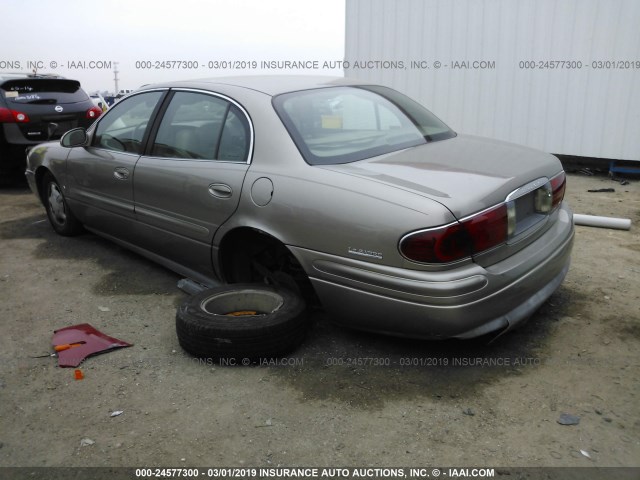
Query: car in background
x=99, y=101
x=334, y=189
x=36, y=108
x=123, y=92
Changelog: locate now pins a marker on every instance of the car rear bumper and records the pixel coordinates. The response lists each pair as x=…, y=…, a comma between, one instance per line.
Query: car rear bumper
x=465, y=302
x=13, y=148
x=14, y=136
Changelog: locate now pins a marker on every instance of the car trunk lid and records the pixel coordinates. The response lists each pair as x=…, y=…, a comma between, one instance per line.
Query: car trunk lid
x=469, y=176
x=466, y=174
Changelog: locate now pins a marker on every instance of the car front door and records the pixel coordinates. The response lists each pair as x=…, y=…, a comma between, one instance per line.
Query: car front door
x=100, y=176
x=191, y=179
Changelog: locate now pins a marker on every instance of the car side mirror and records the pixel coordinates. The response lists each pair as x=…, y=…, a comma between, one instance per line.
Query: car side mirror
x=74, y=138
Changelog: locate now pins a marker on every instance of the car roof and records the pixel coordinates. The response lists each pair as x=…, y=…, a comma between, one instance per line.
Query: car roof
x=269, y=84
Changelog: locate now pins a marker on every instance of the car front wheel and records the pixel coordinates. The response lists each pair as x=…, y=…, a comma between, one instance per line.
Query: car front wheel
x=60, y=215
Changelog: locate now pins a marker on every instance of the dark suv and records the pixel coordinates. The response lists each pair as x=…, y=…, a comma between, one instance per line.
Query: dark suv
x=36, y=108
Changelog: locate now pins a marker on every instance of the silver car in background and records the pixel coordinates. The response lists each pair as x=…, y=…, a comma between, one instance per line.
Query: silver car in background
x=346, y=192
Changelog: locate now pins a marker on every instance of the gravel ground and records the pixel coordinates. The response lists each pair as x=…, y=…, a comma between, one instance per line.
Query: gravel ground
x=468, y=403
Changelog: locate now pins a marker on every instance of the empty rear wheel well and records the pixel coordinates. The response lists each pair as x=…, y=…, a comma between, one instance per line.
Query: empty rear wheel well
x=247, y=255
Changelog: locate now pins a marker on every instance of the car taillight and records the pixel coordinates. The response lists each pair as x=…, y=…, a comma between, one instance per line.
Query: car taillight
x=6, y=116
x=558, y=186
x=13, y=116
x=94, y=112
x=450, y=243
x=439, y=245
x=487, y=229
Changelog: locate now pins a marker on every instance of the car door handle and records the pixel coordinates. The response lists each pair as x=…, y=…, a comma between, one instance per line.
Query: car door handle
x=120, y=173
x=220, y=190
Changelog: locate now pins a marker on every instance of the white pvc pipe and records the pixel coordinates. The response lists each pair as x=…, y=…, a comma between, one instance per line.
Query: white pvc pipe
x=603, y=222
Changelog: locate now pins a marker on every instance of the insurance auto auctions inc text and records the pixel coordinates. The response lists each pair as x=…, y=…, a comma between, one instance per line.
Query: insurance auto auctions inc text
x=374, y=472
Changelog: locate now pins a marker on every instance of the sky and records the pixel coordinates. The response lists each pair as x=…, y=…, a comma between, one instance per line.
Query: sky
x=154, y=41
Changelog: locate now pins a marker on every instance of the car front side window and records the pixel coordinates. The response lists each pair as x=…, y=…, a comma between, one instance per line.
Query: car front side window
x=123, y=127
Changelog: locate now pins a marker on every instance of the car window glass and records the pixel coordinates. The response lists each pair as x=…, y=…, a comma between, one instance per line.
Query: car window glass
x=341, y=122
x=122, y=129
x=431, y=126
x=347, y=124
x=191, y=127
x=234, y=142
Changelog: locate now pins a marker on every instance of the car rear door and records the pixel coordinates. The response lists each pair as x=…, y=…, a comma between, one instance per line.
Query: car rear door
x=190, y=181
x=100, y=176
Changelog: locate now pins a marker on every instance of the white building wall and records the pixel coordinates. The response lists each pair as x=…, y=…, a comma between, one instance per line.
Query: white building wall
x=587, y=111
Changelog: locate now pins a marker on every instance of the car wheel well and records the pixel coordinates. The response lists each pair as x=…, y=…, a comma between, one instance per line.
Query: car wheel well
x=248, y=255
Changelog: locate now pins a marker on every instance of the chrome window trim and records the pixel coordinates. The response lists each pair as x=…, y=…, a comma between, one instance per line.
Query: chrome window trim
x=239, y=106
x=114, y=151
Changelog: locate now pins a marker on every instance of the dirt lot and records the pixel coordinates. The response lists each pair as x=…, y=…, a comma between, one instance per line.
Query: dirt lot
x=579, y=355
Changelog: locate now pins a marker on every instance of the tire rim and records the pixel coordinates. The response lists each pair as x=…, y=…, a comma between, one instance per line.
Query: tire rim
x=56, y=204
x=242, y=303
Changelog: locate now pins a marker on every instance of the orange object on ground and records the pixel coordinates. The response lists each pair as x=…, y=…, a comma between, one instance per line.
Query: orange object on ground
x=67, y=346
x=78, y=374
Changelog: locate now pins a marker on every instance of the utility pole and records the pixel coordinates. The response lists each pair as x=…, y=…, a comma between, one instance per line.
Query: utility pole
x=115, y=76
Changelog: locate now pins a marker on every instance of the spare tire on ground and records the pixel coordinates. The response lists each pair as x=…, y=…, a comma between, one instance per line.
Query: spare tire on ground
x=242, y=322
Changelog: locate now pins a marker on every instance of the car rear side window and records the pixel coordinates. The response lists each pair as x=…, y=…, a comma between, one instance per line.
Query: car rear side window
x=122, y=128
x=204, y=127
x=346, y=124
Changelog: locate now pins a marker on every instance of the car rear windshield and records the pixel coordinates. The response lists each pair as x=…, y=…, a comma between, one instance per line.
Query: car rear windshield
x=43, y=91
x=346, y=124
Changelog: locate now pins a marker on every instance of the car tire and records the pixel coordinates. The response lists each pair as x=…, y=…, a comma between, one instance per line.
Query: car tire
x=60, y=215
x=241, y=323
